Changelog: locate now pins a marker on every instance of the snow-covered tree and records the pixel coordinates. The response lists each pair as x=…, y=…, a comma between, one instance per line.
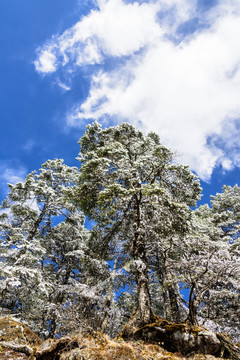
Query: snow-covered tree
x=226, y=213
x=226, y=216
x=125, y=180
x=44, y=249
x=147, y=252
x=207, y=273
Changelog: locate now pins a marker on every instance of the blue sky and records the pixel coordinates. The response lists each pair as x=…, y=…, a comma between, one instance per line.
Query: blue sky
x=171, y=66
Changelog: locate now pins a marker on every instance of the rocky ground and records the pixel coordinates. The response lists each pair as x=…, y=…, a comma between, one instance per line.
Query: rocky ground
x=160, y=340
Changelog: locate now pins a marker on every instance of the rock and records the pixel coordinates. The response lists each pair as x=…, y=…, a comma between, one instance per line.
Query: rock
x=52, y=348
x=159, y=340
x=17, y=333
x=9, y=354
x=180, y=337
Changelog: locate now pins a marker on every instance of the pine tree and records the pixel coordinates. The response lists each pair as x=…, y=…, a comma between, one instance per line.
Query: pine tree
x=126, y=180
x=147, y=252
x=44, y=251
x=226, y=216
x=206, y=270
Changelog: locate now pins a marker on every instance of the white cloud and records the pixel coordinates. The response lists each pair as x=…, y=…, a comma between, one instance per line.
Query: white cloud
x=29, y=145
x=13, y=175
x=229, y=140
x=10, y=175
x=116, y=29
x=186, y=90
x=46, y=62
x=63, y=86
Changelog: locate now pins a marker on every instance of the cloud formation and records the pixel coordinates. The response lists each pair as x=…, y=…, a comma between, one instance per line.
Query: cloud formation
x=10, y=175
x=175, y=70
x=13, y=175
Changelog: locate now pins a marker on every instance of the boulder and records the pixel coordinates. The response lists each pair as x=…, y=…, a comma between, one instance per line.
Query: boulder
x=9, y=354
x=16, y=340
x=180, y=337
x=52, y=348
x=17, y=333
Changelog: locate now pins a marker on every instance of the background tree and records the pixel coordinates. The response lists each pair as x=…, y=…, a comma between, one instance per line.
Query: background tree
x=44, y=251
x=226, y=216
x=206, y=272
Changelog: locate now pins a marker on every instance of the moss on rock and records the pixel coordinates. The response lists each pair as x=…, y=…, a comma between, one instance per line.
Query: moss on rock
x=179, y=337
x=14, y=331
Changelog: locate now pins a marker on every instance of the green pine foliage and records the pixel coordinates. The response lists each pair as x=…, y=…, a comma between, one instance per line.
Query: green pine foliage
x=148, y=252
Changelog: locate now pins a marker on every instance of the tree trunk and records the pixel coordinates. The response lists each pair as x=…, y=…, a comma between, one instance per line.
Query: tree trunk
x=174, y=308
x=144, y=312
x=192, y=315
x=142, y=279
x=167, y=305
x=161, y=258
x=170, y=298
x=107, y=303
x=175, y=315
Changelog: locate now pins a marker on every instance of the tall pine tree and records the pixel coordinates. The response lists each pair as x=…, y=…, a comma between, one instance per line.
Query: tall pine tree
x=125, y=179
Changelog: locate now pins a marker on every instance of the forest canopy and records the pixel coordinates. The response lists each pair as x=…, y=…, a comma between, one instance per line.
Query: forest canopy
x=150, y=250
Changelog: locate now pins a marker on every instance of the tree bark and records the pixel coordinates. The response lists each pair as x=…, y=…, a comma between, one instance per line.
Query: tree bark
x=143, y=312
x=161, y=258
x=174, y=308
x=192, y=315
x=142, y=279
x=107, y=303
x=170, y=297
